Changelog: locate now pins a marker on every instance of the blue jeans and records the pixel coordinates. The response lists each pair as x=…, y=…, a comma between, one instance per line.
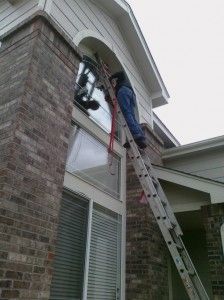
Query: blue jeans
x=126, y=100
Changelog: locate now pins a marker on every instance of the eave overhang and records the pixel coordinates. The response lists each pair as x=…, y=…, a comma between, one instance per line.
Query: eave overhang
x=201, y=146
x=130, y=29
x=213, y=188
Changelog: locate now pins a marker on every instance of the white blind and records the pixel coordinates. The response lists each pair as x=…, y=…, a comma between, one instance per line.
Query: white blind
x=67, y=282
x=105, y=248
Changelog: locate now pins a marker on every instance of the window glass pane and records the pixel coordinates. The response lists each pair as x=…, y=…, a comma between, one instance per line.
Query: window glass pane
x=105, y=256
x=88, y=159
x=67, y=281
x=102, y=116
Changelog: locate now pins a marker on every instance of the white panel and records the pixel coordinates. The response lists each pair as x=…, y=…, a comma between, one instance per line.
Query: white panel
x=75, y=15
x=208, y=165
x=222, y=237
x=11, y=15
x=62, y=20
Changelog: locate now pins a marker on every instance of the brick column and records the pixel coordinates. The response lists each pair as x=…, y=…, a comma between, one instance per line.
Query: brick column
x=38, y=68
x=213, y=217
x=146, y=260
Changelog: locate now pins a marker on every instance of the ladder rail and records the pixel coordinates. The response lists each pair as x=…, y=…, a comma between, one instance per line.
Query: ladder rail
x=160, y=206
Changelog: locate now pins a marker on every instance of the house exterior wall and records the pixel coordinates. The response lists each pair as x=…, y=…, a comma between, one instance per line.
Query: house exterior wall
x=37, y=74
x=75, y=16
x=208, y=164
x=40, y=86
x=11, y=15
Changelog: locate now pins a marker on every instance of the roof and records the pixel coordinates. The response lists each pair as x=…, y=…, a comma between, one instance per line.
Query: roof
x=205, y=145
x=212, y=187
x=164, y=133
x=129, y=27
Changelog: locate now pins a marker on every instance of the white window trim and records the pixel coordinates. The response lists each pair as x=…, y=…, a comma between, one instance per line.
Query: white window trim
x=222, y=236
x=95, y=130
x=78, y=185
x=79, y=118
x=88, y=241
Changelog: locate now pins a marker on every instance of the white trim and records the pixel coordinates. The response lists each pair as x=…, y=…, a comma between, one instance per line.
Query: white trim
x=222, y=236
x=91, y=127
x=41, y=4
x=123, y=235
x=214, y=189
x=87, y=33
x=48, y=6
x=165, y=130
x=78, y=185
x=90, y=33
x=88, y=243
x=204, y=145
x=164, y=91
x=123, y=12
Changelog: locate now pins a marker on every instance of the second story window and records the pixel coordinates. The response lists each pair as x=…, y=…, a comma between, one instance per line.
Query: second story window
x=90, y=98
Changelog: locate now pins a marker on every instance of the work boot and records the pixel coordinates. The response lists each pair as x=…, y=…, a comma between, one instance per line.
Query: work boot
x=141, y=143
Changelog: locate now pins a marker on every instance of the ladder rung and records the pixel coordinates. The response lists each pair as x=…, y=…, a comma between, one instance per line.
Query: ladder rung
x=175, y=244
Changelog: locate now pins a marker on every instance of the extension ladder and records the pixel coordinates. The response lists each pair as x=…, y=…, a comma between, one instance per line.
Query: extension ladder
x=159, y=203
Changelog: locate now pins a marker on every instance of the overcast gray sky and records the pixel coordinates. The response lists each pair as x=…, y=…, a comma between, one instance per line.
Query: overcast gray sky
x=186, y=38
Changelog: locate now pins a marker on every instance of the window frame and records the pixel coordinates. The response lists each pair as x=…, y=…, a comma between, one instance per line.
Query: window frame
x=222, y=237
x=87, y=190
x=90, y=205
x=120, y=136
x=81, y=120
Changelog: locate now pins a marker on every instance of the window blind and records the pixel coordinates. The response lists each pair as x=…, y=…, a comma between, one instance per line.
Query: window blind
x=67, y=281
x=105, y=250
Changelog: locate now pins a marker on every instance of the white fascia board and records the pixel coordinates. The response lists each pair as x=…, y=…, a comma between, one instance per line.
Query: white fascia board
x=205, y=145
x=114, y=7
x=165, y=130
x=164, y=92
x=215, y=189
x=122, y=11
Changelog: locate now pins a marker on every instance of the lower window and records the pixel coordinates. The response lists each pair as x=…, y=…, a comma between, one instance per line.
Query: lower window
x=88, y=159
x=103, y=255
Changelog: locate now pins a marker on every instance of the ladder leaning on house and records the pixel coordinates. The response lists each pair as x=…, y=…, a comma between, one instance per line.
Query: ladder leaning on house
x=159, y=204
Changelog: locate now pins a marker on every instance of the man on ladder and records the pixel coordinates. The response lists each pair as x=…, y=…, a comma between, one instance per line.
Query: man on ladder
x=126, y=99
x=155, y=196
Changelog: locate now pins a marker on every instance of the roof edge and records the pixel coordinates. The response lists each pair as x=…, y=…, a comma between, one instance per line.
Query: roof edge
x=208, y=144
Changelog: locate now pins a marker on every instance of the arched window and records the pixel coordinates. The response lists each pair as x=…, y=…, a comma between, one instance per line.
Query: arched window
x=88, y=93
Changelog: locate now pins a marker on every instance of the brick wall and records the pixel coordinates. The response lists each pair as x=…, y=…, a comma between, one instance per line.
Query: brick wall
x=38, y=67
x=146, y=265
x=213, y=218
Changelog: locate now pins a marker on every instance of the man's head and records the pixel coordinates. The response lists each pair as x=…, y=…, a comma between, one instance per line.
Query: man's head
x=117, y=78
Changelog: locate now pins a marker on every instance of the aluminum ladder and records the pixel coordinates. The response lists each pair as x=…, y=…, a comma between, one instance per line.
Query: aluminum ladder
x=159, y=203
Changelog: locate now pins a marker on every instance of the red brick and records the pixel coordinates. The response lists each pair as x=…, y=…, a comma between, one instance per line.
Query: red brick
x=32, y=152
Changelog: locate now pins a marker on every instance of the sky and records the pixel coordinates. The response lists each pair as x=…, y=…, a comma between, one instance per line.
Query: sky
x=186, y=39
